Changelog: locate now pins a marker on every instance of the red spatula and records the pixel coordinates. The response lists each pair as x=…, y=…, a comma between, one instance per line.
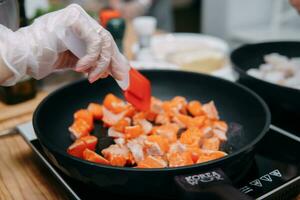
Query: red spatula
x=139, y=91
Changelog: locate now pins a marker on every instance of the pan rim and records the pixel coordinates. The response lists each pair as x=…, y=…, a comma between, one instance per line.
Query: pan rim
x=269, y=84
x=247, y=147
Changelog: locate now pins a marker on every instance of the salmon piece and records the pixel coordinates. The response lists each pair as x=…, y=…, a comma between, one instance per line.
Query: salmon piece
x=168, y=131
x=84, y=115
x=94, y=157
x=207, y=131
x=90, y=141
x=222, y=125
x=199, y=121
x=220, y=134
x=146, y=126
x=195, y=108
x=133, y=131
x=140, y=119
x=195, y=152
x=79, y=128
x=204, y=157
x=130, y=111
x=176, y=106
x=120, y=141
x=180, y=159
x=191, y=137
x=156, y=105
x=117, y=155
x=185, y=121
x=136, y=148
x=137, y=117
x=156, y=145
x=114, y=104
x=208, y=122
x=211, y=144
x=162, y=118
x=150, y=116
x=76, y=149
x=180, y=103
x=96, y=110
x=121, y=124
x=130, y=160
x=177, y=147
x=210, y=110
x=152, y=162
x=110, y=119
x=118, y=161
x=111, y=132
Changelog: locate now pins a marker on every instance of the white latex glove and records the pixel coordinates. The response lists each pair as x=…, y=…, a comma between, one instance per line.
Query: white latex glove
x=39, y=49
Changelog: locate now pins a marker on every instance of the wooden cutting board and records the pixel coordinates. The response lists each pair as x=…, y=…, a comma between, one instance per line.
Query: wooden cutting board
x=12, y=115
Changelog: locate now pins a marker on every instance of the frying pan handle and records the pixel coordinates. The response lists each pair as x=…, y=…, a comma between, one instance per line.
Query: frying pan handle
x=209, y=185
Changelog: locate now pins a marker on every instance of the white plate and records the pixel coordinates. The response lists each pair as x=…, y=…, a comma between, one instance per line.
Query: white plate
x=153, y=65
x=165, y=44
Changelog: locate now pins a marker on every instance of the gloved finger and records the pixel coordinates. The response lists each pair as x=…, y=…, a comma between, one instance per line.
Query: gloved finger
x=119, y=64
x=105, y=57
x=96, y=73
x=93, y=53
x=98, y=76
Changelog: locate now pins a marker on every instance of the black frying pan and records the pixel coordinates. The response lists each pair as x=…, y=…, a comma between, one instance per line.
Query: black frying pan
x=284, y=102
x=244, y=110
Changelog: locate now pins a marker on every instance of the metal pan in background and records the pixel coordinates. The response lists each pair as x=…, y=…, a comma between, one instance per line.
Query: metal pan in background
x=243, y=109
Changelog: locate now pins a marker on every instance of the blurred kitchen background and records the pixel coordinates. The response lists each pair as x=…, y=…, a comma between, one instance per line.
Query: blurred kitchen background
x=195, y=35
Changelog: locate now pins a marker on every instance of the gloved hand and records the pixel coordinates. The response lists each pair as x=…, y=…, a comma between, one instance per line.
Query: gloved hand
x=40, y=49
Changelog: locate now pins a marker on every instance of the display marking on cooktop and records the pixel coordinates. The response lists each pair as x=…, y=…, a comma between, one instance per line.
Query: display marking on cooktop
x=266, y=177
x=256, y=182
x=276, y=172
x=246, y=189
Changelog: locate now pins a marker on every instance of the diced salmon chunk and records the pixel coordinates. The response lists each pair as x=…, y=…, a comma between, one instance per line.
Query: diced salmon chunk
x=180, y=159
x=133, y=131
x=117, y=155
x=114, y=104
x=84, y=115
x=191, y=137
x=110, y=118
x=162, y=118
x=77, y=148
x=96, y=110
x=121, y=124
x=211, y=144
x=94, y=157
x=195, y=108
x=90, y=141
x=168, y=131
x=79, y=128
x=204, y=157
x=210, y=110
x=152, y=162
x=156, y=145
